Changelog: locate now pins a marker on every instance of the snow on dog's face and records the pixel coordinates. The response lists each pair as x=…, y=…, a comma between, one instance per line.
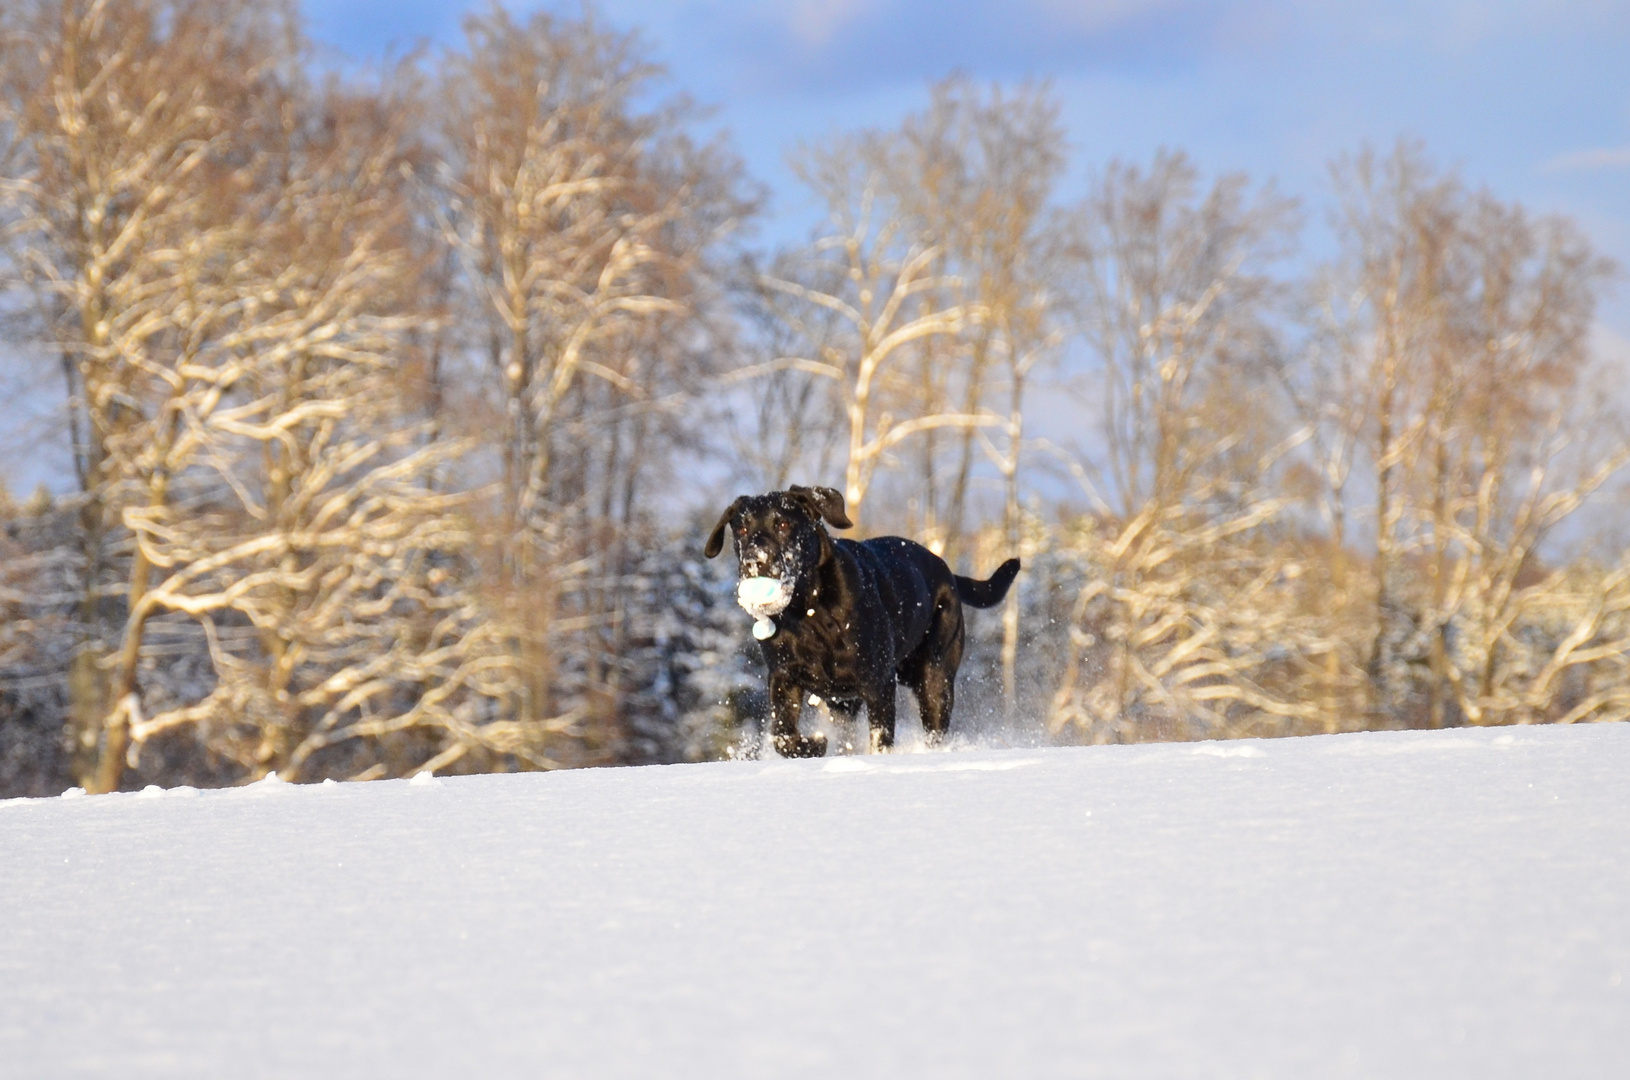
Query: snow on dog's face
x=778, y=537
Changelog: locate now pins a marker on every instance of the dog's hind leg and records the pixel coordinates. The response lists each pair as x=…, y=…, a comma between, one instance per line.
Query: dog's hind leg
x=936, y=693
x=931, y=671
x=785, y=705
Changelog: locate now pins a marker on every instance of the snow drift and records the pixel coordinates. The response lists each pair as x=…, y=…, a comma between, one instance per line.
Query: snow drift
x=1383, y=905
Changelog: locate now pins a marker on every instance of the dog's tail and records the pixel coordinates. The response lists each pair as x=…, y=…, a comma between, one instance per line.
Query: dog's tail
x=987, y=593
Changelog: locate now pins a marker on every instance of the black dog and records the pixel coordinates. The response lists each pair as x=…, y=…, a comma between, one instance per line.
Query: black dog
x=850, y=619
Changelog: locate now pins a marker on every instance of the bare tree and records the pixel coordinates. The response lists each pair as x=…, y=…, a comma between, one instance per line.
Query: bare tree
x=1467, y=330
x=978, y=170
x=315, y=517
x=135, y=122
x=785, y=418
x=881, y=278
x=582, y=229
x=1179, y=617
x=1399, y=217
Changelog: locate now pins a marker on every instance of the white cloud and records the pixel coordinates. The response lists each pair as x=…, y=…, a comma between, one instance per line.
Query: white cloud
x=1099, y=14
x=1600, y=157
x=816, y=22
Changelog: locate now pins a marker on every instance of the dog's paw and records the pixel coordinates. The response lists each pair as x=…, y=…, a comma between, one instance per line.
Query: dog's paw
x=799, y=746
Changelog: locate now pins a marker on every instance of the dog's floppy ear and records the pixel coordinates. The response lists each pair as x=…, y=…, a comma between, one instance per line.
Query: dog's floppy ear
x=828, y=503
x=715, y=539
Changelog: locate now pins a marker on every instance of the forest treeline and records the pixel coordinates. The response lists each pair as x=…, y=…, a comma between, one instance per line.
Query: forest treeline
x=398, y=404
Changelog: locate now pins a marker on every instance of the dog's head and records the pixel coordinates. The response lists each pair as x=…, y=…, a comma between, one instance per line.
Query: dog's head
x=780, y=535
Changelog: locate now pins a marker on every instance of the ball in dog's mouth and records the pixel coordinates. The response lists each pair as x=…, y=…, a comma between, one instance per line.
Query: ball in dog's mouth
x=763, y=598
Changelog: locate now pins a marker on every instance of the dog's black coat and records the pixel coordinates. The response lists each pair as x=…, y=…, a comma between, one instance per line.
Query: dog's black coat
x=863, y=615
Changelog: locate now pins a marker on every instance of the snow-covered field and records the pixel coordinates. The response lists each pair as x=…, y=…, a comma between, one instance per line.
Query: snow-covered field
x=1450, y=904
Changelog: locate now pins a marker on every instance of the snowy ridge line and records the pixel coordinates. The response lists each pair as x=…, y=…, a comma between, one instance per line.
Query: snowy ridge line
x=913, y=758
x=270, y=784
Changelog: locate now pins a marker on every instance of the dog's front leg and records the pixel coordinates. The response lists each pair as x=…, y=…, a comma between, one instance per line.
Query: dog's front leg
x=786, y=701
x=880, y=718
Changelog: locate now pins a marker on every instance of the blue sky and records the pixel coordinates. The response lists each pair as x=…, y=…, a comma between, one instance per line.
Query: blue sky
x=1529, y=97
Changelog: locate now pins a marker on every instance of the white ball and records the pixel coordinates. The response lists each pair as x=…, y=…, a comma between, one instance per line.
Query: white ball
x=759, y=590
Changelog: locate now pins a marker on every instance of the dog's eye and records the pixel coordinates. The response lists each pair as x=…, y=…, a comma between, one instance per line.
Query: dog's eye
x=783, y=526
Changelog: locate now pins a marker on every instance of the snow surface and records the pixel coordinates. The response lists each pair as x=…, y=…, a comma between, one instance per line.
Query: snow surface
x=1451, y=904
